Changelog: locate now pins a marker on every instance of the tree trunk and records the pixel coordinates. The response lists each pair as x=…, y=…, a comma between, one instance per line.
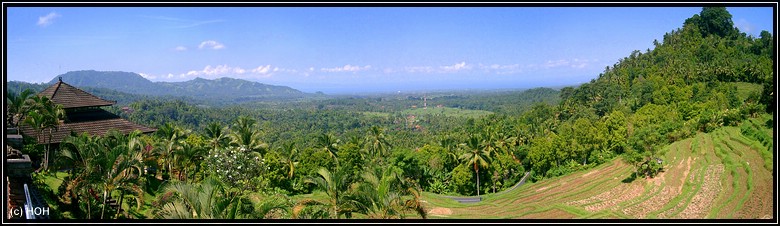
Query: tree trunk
x=336, y=210
x=46, y=154
x=477, y=169
x=89, y=209
x=121, y=199
x=477, y=183
x=105, y=196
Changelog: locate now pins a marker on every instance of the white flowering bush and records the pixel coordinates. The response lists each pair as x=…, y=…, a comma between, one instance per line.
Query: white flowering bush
x=236, y=167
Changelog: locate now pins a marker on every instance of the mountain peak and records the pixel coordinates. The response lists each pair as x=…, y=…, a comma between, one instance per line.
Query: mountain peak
x=220, y=88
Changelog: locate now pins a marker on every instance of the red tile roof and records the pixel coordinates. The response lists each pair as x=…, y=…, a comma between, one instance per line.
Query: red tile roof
x=80, y=117
x=94, y=128
x=72, y=97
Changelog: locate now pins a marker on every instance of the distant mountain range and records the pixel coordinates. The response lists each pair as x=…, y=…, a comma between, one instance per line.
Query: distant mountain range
x=218, y=89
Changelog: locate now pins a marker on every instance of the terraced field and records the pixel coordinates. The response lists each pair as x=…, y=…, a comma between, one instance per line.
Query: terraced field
x=718, y=175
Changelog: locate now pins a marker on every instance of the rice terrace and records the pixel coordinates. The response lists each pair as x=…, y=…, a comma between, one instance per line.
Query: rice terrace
x=723, y=174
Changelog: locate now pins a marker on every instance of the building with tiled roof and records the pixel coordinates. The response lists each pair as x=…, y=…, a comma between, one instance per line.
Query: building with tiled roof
x=82, y=114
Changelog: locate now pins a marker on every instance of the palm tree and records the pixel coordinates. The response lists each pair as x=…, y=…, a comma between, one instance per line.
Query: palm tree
x=206, y=200
x=36, y=120
x=44, y=115
x=246, y=136
x=387, y=196
x=112, y=163
x=165, y=150
x=289, y=154
x=188, y=157
x=216, y=135
x=78, y=153
x=357, y=140
x=451, y=146
x=244, y=122
x=377, y=143
x=329, y=144
x=477, y=154
x=17, y=107
x=335, y=186
x=130, y=179
x=120, y=167
x=505, y=143
x=270, y=207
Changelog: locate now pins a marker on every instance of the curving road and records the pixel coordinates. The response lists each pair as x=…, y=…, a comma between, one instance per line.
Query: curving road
x=473, y=199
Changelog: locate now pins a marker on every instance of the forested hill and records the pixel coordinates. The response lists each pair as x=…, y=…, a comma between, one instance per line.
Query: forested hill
x=702, y=76
x=217, y=89
x=686, y=67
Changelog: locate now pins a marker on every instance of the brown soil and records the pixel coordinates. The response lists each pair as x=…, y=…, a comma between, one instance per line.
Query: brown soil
x=610, y=198
x=760, y=202
x=685, y=167
x=727, y=191
x=550, y=214
x=568, y=184
x=701, y=204
x=440, y=211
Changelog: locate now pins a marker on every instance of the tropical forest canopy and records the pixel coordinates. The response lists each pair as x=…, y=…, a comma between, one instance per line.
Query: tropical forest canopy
x=371, y=156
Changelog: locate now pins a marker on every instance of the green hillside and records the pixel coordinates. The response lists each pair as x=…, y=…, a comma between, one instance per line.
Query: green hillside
x=721, y=174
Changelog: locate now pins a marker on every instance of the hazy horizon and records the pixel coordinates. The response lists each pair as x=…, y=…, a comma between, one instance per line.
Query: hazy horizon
x=340, y=50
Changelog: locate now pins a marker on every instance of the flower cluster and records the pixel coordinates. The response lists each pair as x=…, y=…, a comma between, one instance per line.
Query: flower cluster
x=235, y=166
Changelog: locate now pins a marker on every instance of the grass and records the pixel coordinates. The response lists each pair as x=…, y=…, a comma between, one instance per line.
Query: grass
x=376, y=114
x=689, y=189
x=756, y=130
x=444, y=111
x=726, y=146
x=52, y=181
x=744, y=89
x=447, y=111
x=728, y=154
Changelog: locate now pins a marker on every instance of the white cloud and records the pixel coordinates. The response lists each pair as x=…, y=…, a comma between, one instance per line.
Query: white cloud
x=573, y=63
x=425, y=69
x=582, y=65
x=180, y=48
x=501, y=69
x=182, y=23
x=211, y=44
x=284, y=70
x=455, y=67
x=744, y=26
x=219, y=70
x=148, y=76
x=557, y=63
x=44, y=21
x=441, y=69
x=262, y=69
x=347, y=68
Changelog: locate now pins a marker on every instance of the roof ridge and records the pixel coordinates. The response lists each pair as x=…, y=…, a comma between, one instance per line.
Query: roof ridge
x=56, y=89
x=73, y=97
x=88, y=93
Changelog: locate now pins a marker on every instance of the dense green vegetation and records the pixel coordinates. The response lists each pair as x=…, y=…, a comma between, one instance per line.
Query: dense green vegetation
x=710, y=175
x=373, y=156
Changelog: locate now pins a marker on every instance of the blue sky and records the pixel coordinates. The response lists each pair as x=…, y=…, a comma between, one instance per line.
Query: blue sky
x=345, y=49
